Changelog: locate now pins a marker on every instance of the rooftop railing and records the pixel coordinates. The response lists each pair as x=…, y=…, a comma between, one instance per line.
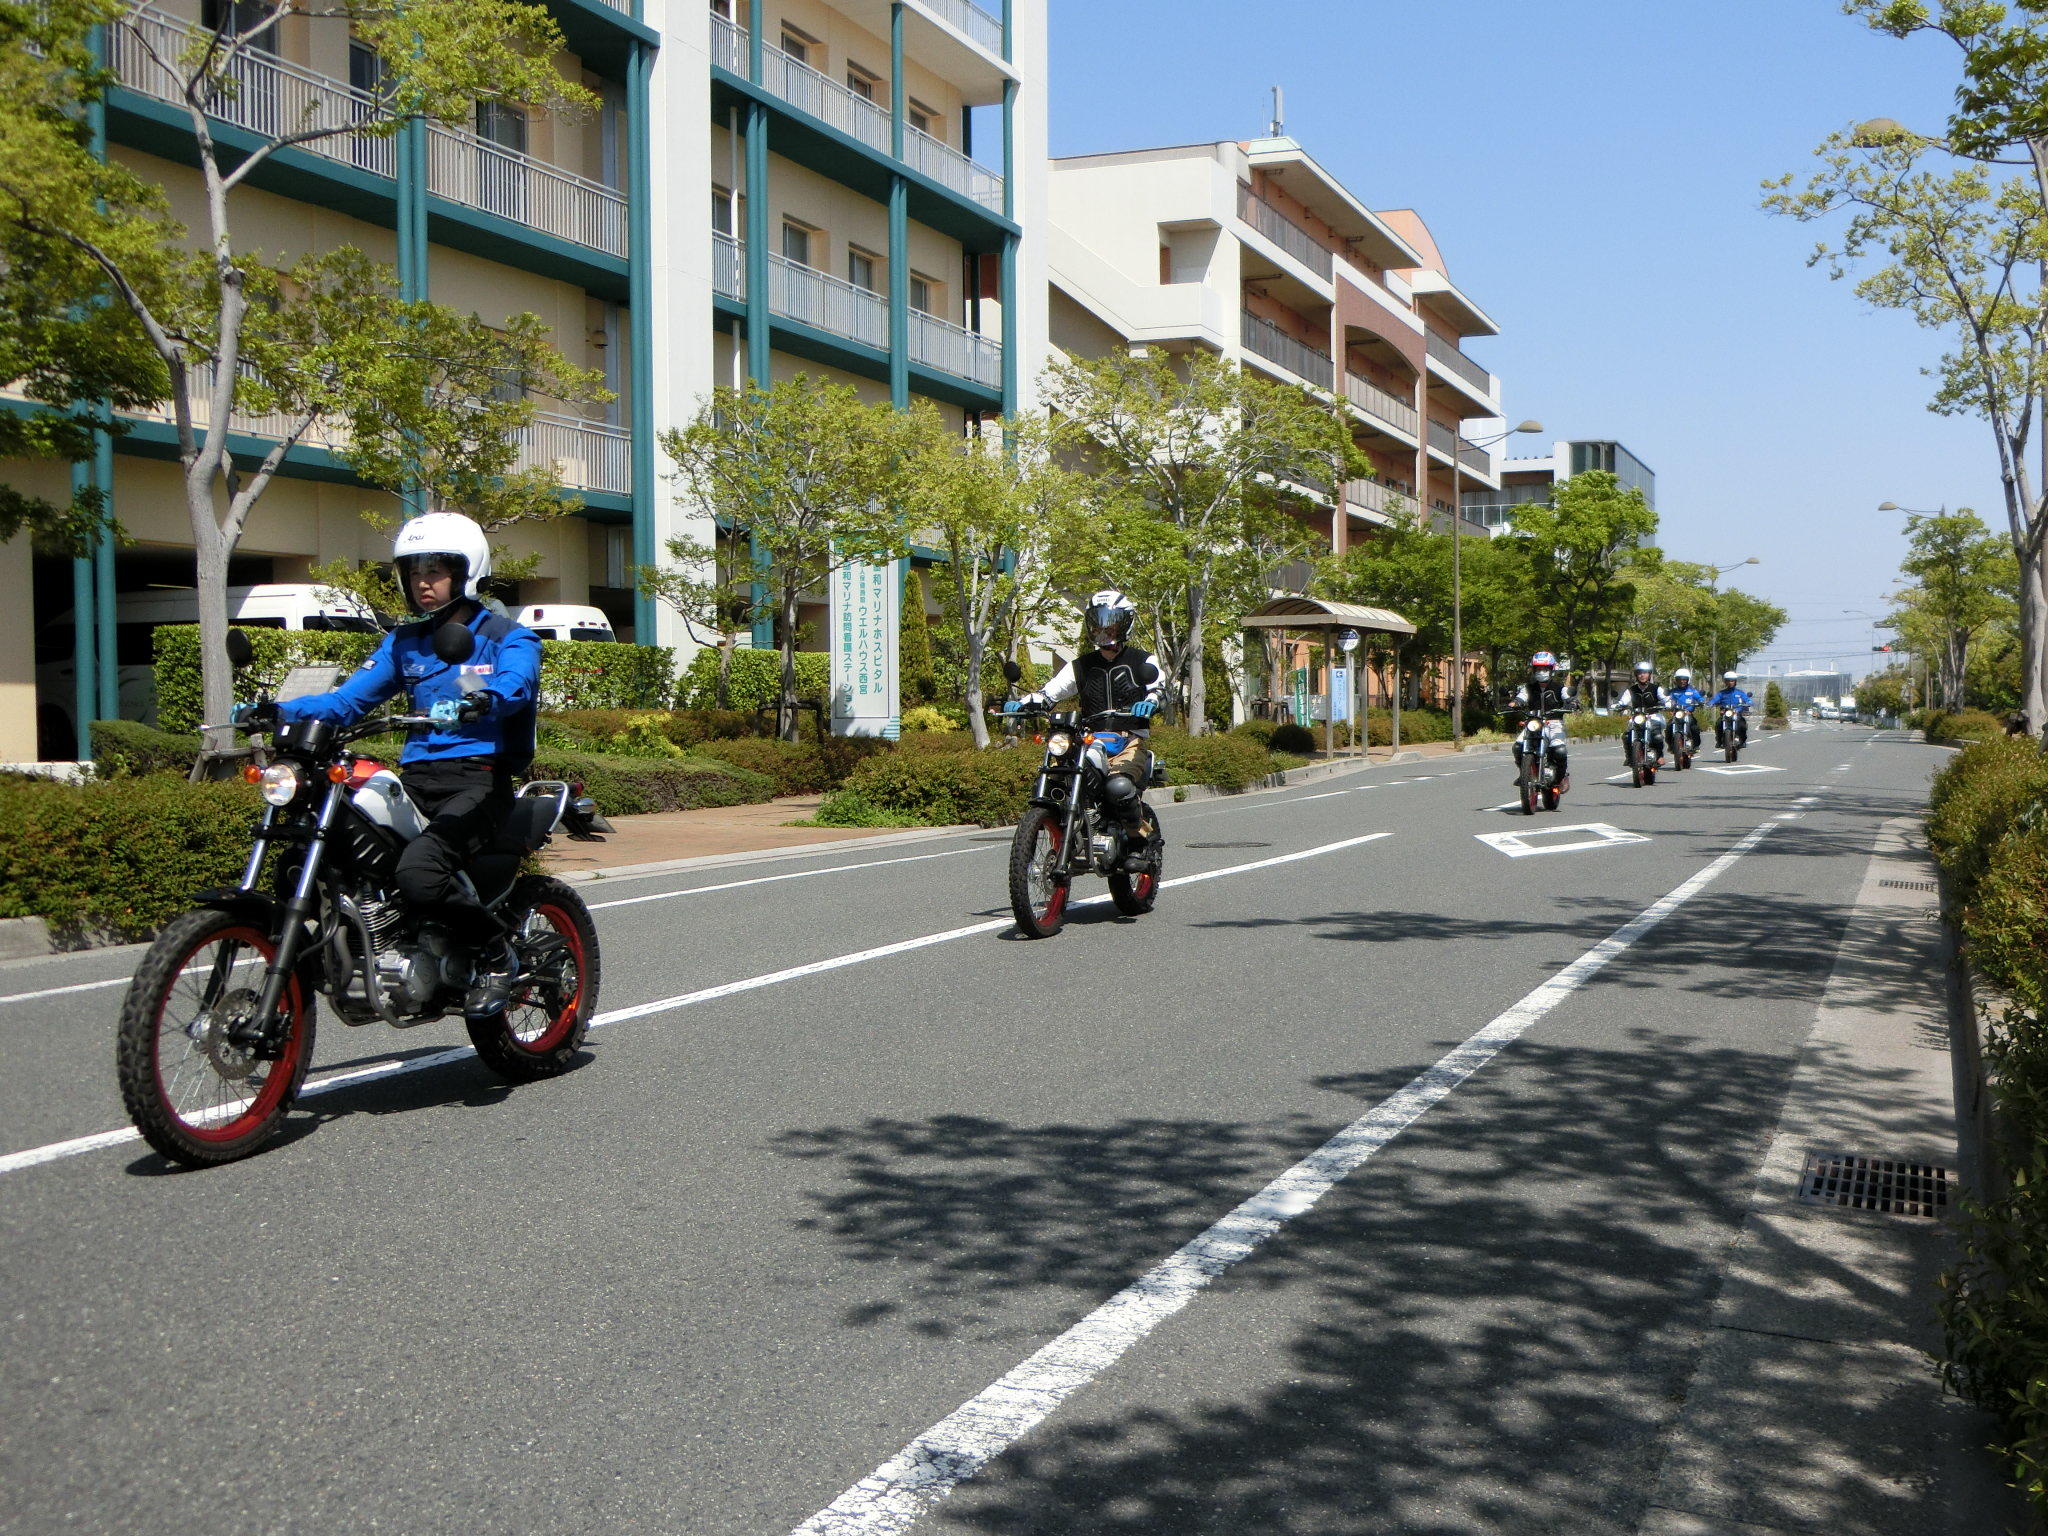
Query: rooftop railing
x=1382, y=405
x=1284, y=232
x=818, y=95
x=1457, y=362
x=271, y=97
x=971, y=19
x=1297, y=357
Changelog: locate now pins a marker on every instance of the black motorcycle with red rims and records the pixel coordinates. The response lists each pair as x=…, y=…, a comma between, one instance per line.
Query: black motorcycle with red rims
x=216, y=1033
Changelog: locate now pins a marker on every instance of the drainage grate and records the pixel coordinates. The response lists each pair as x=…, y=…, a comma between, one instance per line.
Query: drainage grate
x=1226, y=845
x=1861, y=1183
x=1909, y=885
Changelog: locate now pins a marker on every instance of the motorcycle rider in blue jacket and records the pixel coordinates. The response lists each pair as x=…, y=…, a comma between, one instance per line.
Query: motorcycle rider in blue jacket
x=463, y=773
x=1732, y=699
x=1686, y=697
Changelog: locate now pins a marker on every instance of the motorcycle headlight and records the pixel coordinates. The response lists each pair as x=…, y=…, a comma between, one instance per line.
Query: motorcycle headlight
x=281, y=783
x=1058, y=744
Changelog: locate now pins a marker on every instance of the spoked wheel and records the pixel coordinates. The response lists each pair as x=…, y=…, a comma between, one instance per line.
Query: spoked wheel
x=195, y=1086
x=1636, y=772
x=1038, y=892
x=1532, y=795
x=1134, y=894
x=542, y=1028
x=1728, y=752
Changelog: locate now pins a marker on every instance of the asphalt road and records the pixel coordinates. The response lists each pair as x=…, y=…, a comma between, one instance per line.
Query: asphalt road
x=761, y=1241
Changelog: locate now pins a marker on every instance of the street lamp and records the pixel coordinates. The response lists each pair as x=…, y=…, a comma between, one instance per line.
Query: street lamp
x=1714, y=586
x=1458, y=444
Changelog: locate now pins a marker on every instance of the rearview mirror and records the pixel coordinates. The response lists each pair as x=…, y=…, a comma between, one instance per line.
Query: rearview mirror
x=1012, y=671
x=453, y=643
x=240, y=651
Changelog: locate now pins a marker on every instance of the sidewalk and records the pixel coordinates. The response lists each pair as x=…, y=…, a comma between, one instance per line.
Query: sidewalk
x=1815, y=1406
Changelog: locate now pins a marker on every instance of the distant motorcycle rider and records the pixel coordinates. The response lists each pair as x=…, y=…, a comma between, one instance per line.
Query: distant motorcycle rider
x=462, y=774
x=1114, y=675
x=1734, y=705
x=1646, y=696
x=1686, y=697
x=1541, y=693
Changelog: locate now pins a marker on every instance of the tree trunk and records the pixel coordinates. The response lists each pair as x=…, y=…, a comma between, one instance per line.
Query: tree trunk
x=210, y=574
x=1198, y=697
x=721, y=692
x=785, y=712
x=2034, y=643
x=976, y=709
x=1395, y=734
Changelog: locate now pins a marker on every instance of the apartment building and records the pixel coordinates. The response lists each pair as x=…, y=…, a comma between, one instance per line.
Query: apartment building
x=1254, y=251
x=1530, y=478
x=766, y=188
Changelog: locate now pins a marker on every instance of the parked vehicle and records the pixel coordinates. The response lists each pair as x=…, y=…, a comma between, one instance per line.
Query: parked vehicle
x=566, y=621
x=1642, y=747
x=1066, y=832
x=216, y=1033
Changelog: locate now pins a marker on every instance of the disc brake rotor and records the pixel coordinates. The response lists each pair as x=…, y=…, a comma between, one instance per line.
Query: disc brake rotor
x=231, y=1058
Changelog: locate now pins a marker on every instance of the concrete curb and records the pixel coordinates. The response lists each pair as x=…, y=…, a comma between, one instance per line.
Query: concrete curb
x=24, y=938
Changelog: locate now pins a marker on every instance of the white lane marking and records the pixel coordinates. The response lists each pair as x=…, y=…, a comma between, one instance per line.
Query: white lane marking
x=1325, y=795
x=1842, y=767
x=1519, y=845
x=1612, y=777
x=1738, y=768
x=913, y=1481
x=1512, y=805
x=79, y=986
x=14, y=1162
x=801, y=874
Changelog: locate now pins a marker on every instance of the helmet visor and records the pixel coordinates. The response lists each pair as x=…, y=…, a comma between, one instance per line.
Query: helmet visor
x=417, y=569
x=1108, y=624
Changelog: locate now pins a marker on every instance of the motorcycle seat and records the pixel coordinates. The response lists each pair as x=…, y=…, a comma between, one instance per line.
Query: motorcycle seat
x=526, y=828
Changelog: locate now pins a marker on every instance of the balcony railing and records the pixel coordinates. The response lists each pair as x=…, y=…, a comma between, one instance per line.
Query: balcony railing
x=971, y=19
x=1457, y=362
x=728, y=266
x=1381, y=405
x=1373, y=495
x=956, y=350
x=1284, y=232
x=820, y=96
x=271, y=97
x=1447, y=442
x=1297, y=357
x=798, y=292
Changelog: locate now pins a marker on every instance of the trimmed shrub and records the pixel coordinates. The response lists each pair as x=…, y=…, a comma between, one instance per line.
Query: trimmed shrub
x=917, y=743
x=1976, y=800
x=800, y=767
x=119, y=859
x=2007, y=920
x=277, y=651
x=1964, y=725
x=631, y=786
x=756, y=679
x=605, y=674
x=124, y=749
x=929, y=717
x=937, y=788
x=1292, y=738
x=1222, y=761
x=1260, y=731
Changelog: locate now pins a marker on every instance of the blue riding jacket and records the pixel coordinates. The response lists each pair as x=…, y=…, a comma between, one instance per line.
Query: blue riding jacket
x=503, y=671
x=1687, y=698
x=1732, y=698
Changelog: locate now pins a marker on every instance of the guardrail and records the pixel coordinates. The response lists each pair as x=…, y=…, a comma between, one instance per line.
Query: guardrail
x=479, y=174
x=1382, y=405
x=798, y=292
x=728, y=266
x=1297, y=357
x=818, y=95
x=956, y=350
x=1284, y=232
x=1374, y=496
x=1457, y=362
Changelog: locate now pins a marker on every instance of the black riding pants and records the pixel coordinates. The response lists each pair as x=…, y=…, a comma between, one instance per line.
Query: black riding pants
x=465, y=801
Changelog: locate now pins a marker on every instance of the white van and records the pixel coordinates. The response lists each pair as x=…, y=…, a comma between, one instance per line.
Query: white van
x=272, y=605
x=566, y=621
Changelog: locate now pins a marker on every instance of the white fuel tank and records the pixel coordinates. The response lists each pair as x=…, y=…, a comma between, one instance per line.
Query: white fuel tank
x=384, y=800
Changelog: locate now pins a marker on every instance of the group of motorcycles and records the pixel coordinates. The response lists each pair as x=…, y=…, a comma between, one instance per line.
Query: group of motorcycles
x=1646, y=739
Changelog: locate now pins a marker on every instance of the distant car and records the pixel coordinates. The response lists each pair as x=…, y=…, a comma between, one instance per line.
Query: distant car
x=566, y=621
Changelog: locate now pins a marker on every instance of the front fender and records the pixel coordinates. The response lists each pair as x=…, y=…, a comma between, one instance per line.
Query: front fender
x=258, y=908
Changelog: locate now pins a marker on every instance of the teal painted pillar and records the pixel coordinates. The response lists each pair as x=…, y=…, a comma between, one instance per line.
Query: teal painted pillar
x=106, y=655
x=410, y=165
x=1010, y=150
x=1006, y=30
x=1009, y=302
x=899, y=293
x=757, y=19
x=640, y=298
x=84, y=632
x=897, y=92
x=763, y=637
x=759, y=368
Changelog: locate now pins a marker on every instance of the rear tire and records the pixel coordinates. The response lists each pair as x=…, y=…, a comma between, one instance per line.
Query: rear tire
x=1038, y=897
x=1551, y=797
x=196, y=1096
x=1135, y=893
x=543, y=1028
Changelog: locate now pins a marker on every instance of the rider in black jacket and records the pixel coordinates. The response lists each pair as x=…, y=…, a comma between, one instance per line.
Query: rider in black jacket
x=1543, y=692
x=1647, y=696
x=1113, y=676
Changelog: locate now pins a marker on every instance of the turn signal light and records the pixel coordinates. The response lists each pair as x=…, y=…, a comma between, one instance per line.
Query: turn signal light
x=1039, y=740
x=337, y=773
x=251, y=773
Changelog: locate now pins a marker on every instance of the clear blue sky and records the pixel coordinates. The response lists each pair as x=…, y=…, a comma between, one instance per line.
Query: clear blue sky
x=1590, y=169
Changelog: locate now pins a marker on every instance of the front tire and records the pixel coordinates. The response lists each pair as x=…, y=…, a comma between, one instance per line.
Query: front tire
x=1136, y=893
x=198, y=1096
x=543, y=1027
x=1038, y=893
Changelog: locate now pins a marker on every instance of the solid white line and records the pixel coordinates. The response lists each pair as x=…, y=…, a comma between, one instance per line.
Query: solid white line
x=14, y=1162
x=1325, y=795
x=801, y=874
x=912, y=1482
x=80, y=986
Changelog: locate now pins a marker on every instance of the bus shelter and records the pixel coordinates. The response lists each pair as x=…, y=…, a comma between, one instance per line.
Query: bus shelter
x=1332, y=622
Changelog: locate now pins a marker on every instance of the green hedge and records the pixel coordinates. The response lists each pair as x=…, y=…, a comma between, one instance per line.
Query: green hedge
x=756, y=681
x=631, y=786
x=116, y=860
x=938, y=789
x=1988, y=824
x=1222, y=761
x=605, y=674
x=1963, y=725
x=799, y=767
x=129, y=749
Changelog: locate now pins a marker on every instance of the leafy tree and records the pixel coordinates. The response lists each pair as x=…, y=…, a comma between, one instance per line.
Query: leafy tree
x=1886, y=692
x=818, y=478
x=916, y=680
x=711, y=586
x=405, y=392
x=1961, y=579
x=1774, y=702
x=1583, y=547
x=1406, y=566
x=1206, y=459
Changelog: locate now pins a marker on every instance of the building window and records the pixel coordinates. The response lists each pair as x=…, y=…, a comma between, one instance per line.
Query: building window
x=722, y=8
x=861, y=267
x=922, y=118
x=725, y=210
x=924, y=294
x=796, y=242
x=861, y=83
x=798, y=46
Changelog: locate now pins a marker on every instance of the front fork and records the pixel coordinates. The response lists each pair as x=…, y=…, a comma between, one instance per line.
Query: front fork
x=268, y=1036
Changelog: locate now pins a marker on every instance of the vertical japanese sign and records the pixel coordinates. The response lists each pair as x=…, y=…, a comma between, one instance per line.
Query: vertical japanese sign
x=1301, y=714
x=1340, y=693
x=864, y=616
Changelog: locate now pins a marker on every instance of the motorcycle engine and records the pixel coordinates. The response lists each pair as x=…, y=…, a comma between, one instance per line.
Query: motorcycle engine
x=413, y=977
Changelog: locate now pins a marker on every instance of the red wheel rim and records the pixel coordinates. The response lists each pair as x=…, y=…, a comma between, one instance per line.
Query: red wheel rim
x=1056, y=896
x=544, y=1030
x=233, y=1112
x=1144, y=886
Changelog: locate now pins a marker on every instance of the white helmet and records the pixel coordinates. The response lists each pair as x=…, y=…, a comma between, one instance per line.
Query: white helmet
x=445, y=536
x=1727, y=677
x=1109, y=617
x=1644, y=666
x=1682, y=675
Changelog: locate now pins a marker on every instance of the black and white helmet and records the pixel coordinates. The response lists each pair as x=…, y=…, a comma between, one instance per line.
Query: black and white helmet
x=1110, y=616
